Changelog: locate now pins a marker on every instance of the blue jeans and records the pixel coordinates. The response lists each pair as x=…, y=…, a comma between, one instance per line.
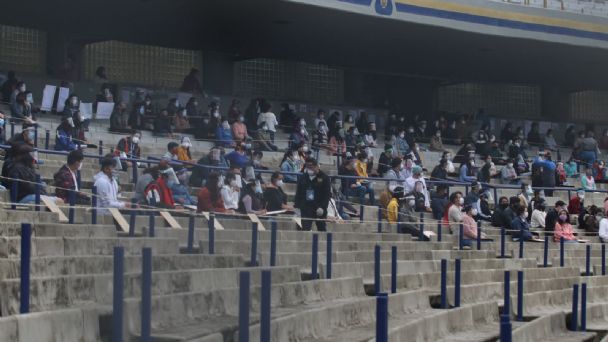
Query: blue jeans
x=360, y=192
x=588, y=157
x=31, y=198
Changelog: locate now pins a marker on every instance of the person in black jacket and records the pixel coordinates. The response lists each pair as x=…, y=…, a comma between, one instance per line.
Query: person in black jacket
x=552, y=216
x=384, y=163
x=312, y=195
x=503, y=203
x=22, y=172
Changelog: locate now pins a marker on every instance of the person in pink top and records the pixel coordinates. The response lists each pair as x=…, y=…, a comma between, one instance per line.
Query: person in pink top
x=606, y=205
x=239, y=130
x=563, y=228
x=469, y=225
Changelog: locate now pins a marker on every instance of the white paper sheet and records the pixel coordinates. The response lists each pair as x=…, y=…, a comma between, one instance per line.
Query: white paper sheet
x=48, y=95
x=64, y=93
x=86, y=109
x=104, y=110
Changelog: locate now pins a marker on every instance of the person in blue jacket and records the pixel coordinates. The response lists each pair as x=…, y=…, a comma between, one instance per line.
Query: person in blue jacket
x=238, y=157
x=63, y=138
x=520, y=225
x=223, y=135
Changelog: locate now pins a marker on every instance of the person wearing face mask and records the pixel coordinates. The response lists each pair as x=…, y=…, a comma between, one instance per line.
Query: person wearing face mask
x=552, y=215
x=274, y=198
x=354, y=187
x=63, y=135
x=525, y=195
x=417, y=185
x=439, y=201
x=312, y=196
x=223, y=135
x=468, y=172
x=181, y=121
x=470, y=226
x=394, y=174
x=105, y=94
x=454, y=212
x=592, y=220
x=128, y=147
x=401, y=146
x=192, y=109
x=587, y=180
x=119, y=119
x=107, y=188
x=22, y=172
x=436, y=144
x=510, y=212
x=320, y=118
x=72, y=110
x=214, y=158
x=520, y=226
x=299, y=136
x=251, y=201
x=577, y=203
x=239, y=129
x=141, y=111
x=238, y=157
x=550, y=143
x=508, y=174
x=20, y=88
x=269, y=118
x=291, y=163
x=158, y=193
x=2, y=128
x=210, y=198
x=496, y=219
x=319, y=139
x=603, y=226
x=563, y=228
x=183, y=151
x=65, y=180
x=288, y=118
x=231, y=192
x=339, y=207
x=349, y=122
x=385, y=160
x=337, y=144
x=22, y=109
x=539, y=216
x=263, y=138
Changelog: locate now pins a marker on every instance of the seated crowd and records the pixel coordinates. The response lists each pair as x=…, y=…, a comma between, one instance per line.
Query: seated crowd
x=230, y=180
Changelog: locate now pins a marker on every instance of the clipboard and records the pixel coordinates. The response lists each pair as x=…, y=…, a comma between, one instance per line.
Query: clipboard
x=122, y=223
x=170, y=219
x=54, y=209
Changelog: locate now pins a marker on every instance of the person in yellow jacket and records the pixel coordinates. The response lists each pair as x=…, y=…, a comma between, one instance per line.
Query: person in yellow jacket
x=394, y=205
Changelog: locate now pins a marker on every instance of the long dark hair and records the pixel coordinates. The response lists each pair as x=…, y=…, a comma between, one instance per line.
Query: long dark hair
x=212, y=185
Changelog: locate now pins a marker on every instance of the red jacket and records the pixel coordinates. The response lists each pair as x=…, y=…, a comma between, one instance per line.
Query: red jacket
x=574, y=206
x=161, y=193
x=206, y=204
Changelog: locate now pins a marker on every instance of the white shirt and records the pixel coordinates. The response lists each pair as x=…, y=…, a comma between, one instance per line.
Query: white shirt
x=107, y=192
x=396, y=176
x=230, y=197
x=538, y=219
x=74, y=178
x=604, y=229
x=270, y=119
x=410, y=185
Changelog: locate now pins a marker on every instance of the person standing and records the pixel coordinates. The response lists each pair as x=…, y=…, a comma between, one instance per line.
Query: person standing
x=312, y=195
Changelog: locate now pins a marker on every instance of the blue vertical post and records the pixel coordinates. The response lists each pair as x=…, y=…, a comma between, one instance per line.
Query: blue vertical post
x=461, y=237
x=273, y=243
x=439, y=232
x=78, y=179
x=244, y=283
x=26, y=248
x=118, y=293
x=134, y=175
x=421, y=230
x=603, y=259
x=502, y=242
x=520, y=296
x=315, y=256
x=457, y=283
x=151, y=224
x=394, y=269
x=211, y=226
x=146, y=295
x=377, y=278
x=546, y=252
x=14, y=190
x=507, y=294
x=265, y=306
x=37, y=198
x=444, y=284
x=72, y=200
x=505, y=328
x=94, y=206
x=478, y=235
x=521, y=243
x=382, y=317
x=361, y=212
x=132, y=218
x=379, y=219
x=584, y=307
x=191, y=234
x=588, y=260
x=561, y=251
x=574, y=316
x=47, y=137
x=329, y=256
x=254, y=245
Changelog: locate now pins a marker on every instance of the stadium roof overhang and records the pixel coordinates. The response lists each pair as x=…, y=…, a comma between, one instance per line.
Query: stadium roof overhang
x=289, y=30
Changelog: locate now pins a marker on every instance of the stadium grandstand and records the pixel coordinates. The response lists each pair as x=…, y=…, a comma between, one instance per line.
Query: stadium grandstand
x=303, y=170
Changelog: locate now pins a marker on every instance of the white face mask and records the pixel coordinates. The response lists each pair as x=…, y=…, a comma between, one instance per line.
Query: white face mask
x=216, y=115
x=461, y=201
x=22, y=88
x=279, y=183
x=304, y=148
x=135, y=140
x=233, y=183
x=474, y=212
x=225, y=125
x=74, y=102
x=177, y=103
x=71, y=122
x=303, y=131
x=29, y=98
x=411, y=203
x=311, y=173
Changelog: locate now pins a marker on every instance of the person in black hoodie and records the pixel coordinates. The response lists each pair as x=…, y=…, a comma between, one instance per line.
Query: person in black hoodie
x=552, y=216
x=312, y=195
x=384, y=162
x=22, y=172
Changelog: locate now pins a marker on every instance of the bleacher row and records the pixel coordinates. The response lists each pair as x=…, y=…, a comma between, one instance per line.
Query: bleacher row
x=195, y=294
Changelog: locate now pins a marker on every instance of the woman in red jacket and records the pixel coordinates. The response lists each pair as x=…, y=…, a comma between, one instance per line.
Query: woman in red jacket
x=209, y=198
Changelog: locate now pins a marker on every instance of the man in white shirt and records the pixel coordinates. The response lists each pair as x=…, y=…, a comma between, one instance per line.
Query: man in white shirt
x=269, y=118
x=410, y=184
x=107, y=188
x=603, y=233
x=171, y=153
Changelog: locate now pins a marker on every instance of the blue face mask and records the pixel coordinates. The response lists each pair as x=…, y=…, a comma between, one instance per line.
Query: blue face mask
x=1, y=122
x=30, y=135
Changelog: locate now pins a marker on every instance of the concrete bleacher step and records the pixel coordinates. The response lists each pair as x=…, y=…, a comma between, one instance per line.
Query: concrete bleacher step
x=200, y=308
x=57, y=246
x=550, y=327
x=52, y=293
